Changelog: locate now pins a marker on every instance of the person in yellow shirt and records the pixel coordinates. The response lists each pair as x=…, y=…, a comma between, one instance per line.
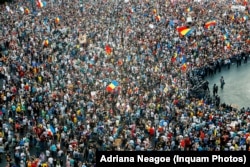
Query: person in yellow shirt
x=217, y=141
x=75, y=119
x=191, y=114
x=40, y=79
x=18, y=109
x=35, y=70
x=44, y=165
x=29, y=163
x=78, y=112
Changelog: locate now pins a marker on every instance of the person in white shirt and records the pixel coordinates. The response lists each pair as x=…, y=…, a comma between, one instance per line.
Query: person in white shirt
x=22, y=164
x=60, y=153
x=50, y=160
x=47, y=152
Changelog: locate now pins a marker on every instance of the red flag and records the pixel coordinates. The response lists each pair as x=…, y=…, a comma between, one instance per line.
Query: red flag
x=108, y=49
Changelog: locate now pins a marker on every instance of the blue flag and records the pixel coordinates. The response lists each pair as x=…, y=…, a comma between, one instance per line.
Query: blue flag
x=52, y=129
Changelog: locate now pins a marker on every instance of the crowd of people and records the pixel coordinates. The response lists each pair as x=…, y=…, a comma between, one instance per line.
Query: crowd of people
x=79, y=76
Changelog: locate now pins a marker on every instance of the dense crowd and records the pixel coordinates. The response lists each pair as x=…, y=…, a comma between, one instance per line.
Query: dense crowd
x=60, y=58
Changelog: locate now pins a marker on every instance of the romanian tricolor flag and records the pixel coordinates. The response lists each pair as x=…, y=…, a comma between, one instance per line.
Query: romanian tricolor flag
x=27, y=11
x=173, y=59
x=39, y=3
x=108, y=49
x=184, y=67
x=189, y=9
x=186, y=32
x=112, y=86
x=225, y=37
x=180, y=28
x=210, y=24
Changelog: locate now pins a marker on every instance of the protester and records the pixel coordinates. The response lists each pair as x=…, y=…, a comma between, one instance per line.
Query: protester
x=222, y=82
x=81, y=76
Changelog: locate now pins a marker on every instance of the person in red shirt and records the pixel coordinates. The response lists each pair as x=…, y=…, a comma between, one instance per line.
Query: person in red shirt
x=202, y=135
x=187, y=143
x=152, y=131
x=182, y=144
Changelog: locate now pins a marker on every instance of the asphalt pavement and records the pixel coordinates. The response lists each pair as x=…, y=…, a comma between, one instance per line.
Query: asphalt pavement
x=237, y=88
